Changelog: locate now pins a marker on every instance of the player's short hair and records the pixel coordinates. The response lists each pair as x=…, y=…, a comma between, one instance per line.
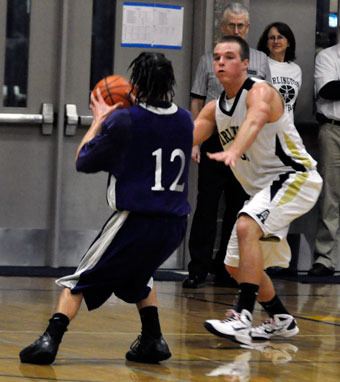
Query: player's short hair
x=152, y=78
x=244, y=47
x=285, y=31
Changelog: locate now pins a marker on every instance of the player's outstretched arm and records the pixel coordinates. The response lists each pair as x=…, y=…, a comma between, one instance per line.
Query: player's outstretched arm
x=259, y=107
x=204, y=123
x=263, y=105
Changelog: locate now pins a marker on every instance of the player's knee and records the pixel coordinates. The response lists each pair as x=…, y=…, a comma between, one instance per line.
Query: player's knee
x=233, y=271
x=247, y=228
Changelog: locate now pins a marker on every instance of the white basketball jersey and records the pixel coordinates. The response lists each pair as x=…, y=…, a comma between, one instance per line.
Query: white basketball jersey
x=277, y=149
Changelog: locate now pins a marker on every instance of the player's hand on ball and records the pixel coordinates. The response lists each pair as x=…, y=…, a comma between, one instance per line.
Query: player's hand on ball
x=100, y=109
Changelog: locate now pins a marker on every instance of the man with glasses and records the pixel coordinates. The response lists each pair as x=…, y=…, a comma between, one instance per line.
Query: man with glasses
x=215, y=178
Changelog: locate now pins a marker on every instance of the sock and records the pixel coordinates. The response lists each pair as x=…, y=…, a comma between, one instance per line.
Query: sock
x=247, y=297
x=150, y=321
x=58, y=326
x=274, y=306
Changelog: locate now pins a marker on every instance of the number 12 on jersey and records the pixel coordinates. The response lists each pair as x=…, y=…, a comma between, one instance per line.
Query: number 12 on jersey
x=175, y=186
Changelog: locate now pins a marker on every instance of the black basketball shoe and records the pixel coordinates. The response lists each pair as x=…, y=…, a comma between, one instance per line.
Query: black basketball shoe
x=41, y=352
x=148, y=350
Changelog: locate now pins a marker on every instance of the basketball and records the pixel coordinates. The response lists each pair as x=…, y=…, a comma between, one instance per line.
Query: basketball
x=114, y=89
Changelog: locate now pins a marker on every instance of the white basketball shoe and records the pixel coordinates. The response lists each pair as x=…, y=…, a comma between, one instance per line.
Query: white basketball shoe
x=281, y=325
x=236, y=326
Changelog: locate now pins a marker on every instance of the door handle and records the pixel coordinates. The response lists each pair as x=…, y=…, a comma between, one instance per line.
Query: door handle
x=71, y=117
x=73, y=120
x=85, y=120
x=45, y=119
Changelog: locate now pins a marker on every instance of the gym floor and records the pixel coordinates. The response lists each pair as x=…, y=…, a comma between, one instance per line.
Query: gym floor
x=93, y=350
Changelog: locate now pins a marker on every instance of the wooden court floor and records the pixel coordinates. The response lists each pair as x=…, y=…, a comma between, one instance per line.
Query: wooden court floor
x=93, y=350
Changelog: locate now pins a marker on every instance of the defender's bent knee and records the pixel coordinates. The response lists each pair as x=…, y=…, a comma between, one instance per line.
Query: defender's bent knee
x=247, y=228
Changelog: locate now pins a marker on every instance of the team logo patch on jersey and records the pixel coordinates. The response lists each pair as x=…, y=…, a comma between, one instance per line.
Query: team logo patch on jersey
x=263, y=215
x=287, y=92
x=228, y=134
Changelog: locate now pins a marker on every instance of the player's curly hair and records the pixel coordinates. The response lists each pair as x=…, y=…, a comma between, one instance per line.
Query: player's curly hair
x=152, y=78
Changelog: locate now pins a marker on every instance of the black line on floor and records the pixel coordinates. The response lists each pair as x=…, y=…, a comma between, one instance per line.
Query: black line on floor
x=296, y=316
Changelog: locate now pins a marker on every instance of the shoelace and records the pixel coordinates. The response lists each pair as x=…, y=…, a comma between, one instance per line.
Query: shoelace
x=267, y=324
x=44, y=336
x=231, y=315
x=135, y=343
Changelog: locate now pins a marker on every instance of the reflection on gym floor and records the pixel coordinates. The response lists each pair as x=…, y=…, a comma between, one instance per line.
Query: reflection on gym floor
x=94, y=348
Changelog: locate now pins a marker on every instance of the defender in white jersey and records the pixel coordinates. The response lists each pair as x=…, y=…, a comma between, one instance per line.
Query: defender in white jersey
x=267, y=156
x=216, y=181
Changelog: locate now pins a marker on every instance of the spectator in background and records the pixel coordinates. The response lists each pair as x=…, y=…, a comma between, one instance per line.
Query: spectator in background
x=214, y=178
x=327, y=92
x=278, y=43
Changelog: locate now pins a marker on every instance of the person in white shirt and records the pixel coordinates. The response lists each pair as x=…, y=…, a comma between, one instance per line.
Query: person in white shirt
x=278, y=42
x=327, y=92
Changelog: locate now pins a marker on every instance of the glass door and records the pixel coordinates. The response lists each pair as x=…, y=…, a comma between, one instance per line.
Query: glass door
x=53, y=53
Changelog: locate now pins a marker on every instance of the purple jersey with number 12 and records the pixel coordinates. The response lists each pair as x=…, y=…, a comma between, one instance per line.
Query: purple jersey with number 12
x=147, y=153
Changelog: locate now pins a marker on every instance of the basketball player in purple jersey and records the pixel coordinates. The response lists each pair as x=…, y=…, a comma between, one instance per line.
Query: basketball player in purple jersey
x=146, y=150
